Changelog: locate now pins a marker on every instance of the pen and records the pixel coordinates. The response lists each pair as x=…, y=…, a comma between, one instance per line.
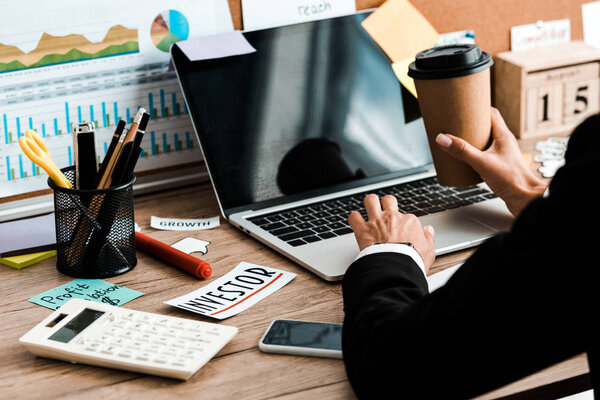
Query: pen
x=177, y=258
x=133, y=155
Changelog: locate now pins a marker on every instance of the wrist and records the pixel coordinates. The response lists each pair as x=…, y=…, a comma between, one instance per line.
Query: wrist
x=405, y=248
x=534, y=188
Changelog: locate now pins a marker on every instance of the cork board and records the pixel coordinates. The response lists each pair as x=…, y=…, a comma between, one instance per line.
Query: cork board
x=490, y=19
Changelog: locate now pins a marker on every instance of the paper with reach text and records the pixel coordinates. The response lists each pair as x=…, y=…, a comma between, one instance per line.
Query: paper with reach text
x=241, y=288
x=262, y=14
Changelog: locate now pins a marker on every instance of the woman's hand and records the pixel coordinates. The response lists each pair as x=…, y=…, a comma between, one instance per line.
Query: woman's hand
x=501, y=166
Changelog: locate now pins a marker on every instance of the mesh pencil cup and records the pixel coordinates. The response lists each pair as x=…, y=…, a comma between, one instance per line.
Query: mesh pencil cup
x=95, y=233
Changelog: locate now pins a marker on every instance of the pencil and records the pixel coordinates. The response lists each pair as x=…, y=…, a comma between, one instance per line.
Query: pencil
x=111, y=149
x=134, y=126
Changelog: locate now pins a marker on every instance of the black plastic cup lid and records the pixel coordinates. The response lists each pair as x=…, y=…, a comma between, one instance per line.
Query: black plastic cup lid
x=449, y=62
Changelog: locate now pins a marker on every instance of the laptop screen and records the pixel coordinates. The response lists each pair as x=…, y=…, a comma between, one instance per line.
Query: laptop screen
x=315, y=109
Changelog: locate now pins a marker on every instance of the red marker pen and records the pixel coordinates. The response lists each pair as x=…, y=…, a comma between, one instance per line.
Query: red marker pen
x=177, y=258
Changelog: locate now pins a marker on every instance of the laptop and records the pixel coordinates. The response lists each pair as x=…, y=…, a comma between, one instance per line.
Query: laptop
x=297, y=133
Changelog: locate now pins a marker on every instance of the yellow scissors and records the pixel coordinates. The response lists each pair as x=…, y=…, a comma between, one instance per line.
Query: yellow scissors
x=36, y=150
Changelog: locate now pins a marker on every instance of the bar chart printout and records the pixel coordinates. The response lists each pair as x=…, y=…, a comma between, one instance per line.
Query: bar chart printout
x=62, y=73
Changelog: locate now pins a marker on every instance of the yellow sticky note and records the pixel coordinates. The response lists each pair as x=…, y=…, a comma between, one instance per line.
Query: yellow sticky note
x=26, y=260
x=400, y=30
x=401, y=70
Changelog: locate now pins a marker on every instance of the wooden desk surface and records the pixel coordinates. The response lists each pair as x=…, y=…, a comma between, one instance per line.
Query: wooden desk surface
x=240, y=370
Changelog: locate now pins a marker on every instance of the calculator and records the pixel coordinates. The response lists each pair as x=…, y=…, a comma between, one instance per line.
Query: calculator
x=87, y=332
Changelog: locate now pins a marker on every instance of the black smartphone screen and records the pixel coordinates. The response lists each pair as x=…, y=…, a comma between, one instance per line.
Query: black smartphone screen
x=317, y=335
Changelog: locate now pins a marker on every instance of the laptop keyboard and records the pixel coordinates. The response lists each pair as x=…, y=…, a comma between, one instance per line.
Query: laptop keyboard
x=328, y=219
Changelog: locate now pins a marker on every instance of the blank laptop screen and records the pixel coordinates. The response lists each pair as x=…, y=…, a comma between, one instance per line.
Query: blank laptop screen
x=317, y=107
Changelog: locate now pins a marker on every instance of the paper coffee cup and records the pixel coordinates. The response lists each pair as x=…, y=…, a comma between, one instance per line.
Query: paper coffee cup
x=453, y=87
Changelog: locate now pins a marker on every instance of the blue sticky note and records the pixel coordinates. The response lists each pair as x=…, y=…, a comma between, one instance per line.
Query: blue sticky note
x=88, y=289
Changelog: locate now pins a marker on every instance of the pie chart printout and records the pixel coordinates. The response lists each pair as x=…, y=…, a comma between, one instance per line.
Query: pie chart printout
x=169, y=27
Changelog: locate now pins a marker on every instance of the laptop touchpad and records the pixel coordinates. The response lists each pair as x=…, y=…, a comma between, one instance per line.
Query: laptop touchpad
x=453, y=230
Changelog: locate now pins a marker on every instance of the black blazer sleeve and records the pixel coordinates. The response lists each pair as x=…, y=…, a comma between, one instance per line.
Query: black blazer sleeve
x=525, y=300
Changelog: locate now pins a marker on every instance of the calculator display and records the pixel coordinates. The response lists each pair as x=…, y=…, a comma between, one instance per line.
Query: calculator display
x=76, y=325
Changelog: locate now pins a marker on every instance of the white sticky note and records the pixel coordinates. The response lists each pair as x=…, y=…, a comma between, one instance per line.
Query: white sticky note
x=178, y=224
x=590, y=13
x=236, y=291
x=260, y=14
x=458, y=37
x=216, y=46
x=543, y=33
x=191, y=245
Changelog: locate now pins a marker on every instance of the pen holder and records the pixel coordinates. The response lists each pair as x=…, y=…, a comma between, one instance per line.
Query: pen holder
x=95, y=229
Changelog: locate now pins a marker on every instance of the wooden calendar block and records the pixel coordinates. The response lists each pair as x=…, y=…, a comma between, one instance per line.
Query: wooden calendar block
x=544, y=105
x=547, y=90
x=581, y=99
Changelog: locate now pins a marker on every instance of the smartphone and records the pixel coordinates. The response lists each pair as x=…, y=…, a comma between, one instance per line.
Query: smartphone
x=303, y=338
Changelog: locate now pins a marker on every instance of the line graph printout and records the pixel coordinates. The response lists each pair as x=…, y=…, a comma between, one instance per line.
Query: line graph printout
x=71, y=61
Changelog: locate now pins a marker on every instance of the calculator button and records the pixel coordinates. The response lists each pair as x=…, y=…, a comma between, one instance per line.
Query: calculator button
x=200, y=337
x=168, y=351
x=108, y=349
x=213, y=331
x=152, y=329
x=153, y=348
x=104, y=338
x=113, y=331
x=189, y=353
x=196, y=346
x=125, y=353
x=170, y=332
x=161, y=340
x=136, y=345
x=179, y=343
x=136, y=326
x=160, y=359
x=178, y=325
x=119, y=342
x=145, y=318
x=93, y=346
x=180, y=362
x=129, y=334
x=197, y=327
x=145, y=337
x=122, y=323
x=130, y=316
x=144, y=356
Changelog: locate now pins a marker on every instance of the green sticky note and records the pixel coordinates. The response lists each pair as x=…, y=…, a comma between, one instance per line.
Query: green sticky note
x=88, y=289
